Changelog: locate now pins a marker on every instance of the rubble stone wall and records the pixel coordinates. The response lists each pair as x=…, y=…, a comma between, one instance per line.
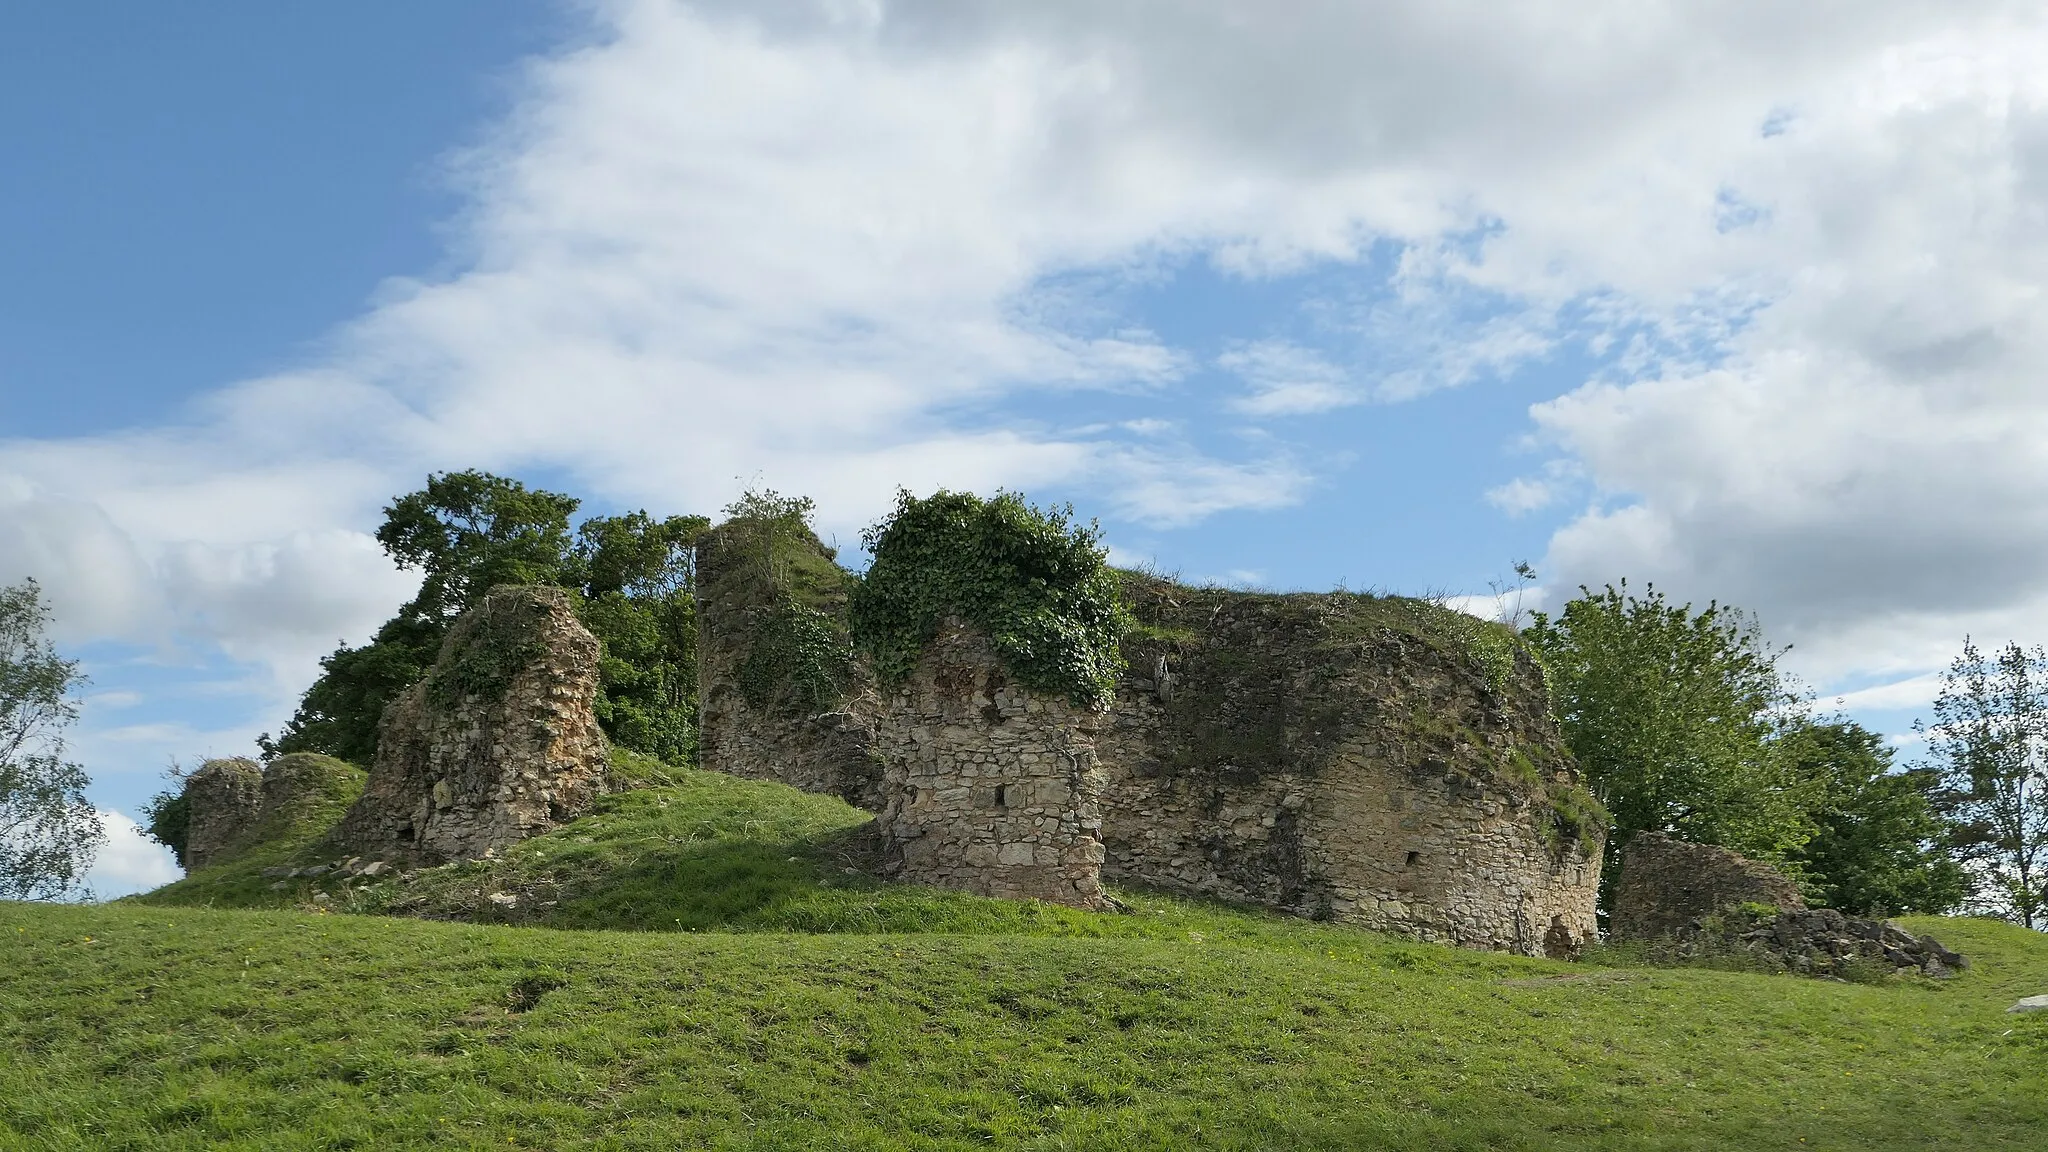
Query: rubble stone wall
x=1700, y=901
x=1331, y=757
x=1336, y=756
x=1668, y=884
x=989, y=788
x=782, y=736
x=224, y=797
x=497, y=743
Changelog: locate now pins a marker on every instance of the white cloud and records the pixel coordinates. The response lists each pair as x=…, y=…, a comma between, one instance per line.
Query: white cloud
x=129, y=861
x=1911, y=693
x=1522, y=495
x=1287, y=380
x=801, y=241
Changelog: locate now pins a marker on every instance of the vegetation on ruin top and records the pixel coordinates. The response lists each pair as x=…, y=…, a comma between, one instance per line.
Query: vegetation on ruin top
x=1032, y=578
x=772, y=569
x=325, y=789
x=1251, y=671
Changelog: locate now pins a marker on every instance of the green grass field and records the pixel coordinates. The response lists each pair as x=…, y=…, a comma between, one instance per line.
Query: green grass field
x=806, y=1007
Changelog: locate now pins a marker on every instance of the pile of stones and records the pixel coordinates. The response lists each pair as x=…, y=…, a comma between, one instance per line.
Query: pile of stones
x=353, y=868
x=1697, y=901
x=1818, y=942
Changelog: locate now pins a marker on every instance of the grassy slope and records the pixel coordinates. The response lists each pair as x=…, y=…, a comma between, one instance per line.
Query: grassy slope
x=143, y=1025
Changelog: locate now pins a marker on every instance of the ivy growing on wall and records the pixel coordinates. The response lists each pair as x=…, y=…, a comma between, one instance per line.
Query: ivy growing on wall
x=1034, y=580
x=798, y=650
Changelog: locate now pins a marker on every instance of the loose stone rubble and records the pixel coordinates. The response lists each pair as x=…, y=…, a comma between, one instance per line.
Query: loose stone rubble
x=1701, y=901
x=497, y=743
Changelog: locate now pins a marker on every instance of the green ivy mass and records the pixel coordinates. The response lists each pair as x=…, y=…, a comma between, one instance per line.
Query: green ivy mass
x=1033, y=580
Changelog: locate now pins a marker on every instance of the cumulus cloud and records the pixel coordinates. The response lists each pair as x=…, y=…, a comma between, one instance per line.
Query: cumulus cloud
x=806, y=240
x=129, y=861
x=1862, y=464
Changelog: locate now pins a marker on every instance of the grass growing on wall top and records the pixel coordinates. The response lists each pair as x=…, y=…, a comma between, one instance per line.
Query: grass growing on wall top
x=292, y=837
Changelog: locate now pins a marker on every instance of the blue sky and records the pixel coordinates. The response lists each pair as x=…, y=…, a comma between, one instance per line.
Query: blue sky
x=1391, y=298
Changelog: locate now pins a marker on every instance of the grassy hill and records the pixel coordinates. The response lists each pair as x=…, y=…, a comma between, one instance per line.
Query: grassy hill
x=803, y=1005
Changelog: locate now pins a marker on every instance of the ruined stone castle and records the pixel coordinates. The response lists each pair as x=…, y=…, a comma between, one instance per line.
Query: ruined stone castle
x=1364, y=759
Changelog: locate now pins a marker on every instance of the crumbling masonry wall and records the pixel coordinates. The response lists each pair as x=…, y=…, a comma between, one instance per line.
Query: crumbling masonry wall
x=1668, y=884
x=1346, y=757
x=989, y=788
x=223, y=798
x=1355, y=758
x=746, y=585
x=234, y=804
x=497, y=743
x=1690, y=901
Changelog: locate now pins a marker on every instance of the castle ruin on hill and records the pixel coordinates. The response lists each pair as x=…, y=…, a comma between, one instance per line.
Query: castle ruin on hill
x=1373, y=760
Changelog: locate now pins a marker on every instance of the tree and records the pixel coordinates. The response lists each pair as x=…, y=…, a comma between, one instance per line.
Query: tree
x=1878, y=846
x=467, y=532
x=640, y=599
x=1989, y=742
x=1670, y=714
x=49, y=833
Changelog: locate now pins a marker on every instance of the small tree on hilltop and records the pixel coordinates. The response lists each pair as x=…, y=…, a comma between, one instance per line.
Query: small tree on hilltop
x=1989, y=741
x=49, y=833
x=1670, y=713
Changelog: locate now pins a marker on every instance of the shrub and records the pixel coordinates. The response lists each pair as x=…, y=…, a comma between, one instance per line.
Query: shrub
x=1032, y=579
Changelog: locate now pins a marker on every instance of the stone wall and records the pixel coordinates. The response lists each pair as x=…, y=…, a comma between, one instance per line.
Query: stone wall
x=785, y=735
x=1667, y=884
x=1357, y=758
x=497, y=743
x=1700, y=901
x=989, y=788
x=234, y=804
x=1334, y=757
x=223, y=798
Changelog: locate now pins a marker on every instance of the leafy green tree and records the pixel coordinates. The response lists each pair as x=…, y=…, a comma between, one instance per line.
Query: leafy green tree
x=1670, y=713
x=1878, y=848
x=49, y=832
x=467, y=532
x=639, y=598
x=1989, y=742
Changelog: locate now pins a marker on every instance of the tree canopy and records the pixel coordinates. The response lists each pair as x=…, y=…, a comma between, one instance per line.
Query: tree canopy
x=49, y=832
x=467, y=532
x=1989, y=745
x=1670, y=713
x=1879, y=844
x=1036, y=581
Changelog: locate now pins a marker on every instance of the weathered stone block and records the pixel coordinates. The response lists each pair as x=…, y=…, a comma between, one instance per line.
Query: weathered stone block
x=497, y=743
